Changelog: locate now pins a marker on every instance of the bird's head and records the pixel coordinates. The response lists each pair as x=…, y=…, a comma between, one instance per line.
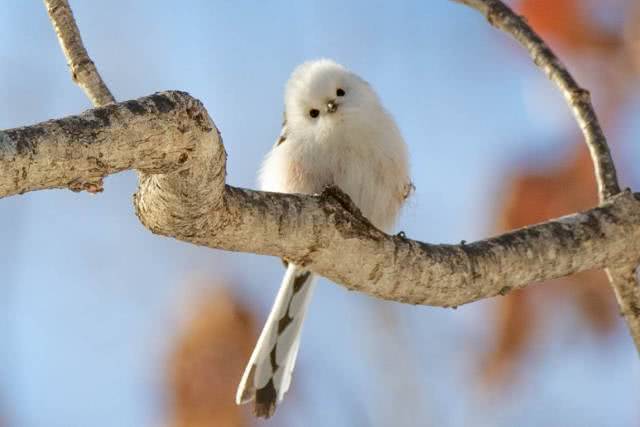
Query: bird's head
x=323, y=94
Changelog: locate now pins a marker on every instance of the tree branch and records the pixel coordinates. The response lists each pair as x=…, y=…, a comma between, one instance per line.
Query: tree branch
x=624, y=283
x=501, y=16
x=169, y=138
x=83, y=70
x=182, y=195
x=155, y=134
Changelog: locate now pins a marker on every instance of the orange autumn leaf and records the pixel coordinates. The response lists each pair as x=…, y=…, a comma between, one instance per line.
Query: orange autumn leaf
x=533, y=198
x=207, y=362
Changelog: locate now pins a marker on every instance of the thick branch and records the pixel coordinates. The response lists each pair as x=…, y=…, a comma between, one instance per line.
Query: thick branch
x=83, y=70
x=155, y=134
x=170, y=137
x=338, y=243
x=189, y=200
x=501, y=16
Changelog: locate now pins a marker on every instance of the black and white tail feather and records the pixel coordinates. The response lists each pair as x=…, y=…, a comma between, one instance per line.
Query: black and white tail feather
x=268, y=374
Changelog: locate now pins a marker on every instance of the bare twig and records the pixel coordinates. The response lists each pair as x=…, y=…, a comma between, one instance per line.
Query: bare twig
x=627, y=290
x=501, y=16
x=83, y=70
x=182, y=194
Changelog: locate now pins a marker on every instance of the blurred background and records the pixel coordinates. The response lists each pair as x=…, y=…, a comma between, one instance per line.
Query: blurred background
x=104, y=324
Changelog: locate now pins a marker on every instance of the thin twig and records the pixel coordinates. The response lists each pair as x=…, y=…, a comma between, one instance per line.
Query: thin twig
x=623, y=278
x=501, y=16
x=625, y=283
x=83, y=70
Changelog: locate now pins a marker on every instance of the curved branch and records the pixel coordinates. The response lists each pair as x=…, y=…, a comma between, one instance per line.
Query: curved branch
x=185, y=197
x=501, y=16
x=155, y=134
x=182, y=194
x=625, y=284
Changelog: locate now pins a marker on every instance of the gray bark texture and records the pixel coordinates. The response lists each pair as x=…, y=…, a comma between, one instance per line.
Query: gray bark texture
x=170, y=139
x=182, y=194
x=83, y=70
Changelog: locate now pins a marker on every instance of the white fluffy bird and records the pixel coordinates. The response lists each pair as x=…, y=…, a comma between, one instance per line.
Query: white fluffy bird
x=335, y=132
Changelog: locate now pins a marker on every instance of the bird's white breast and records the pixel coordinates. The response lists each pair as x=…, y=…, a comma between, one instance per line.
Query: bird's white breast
x=368, y=161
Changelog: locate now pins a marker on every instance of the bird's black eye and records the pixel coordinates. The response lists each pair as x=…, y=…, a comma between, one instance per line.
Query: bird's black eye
x=340, y=92
x=314, y=113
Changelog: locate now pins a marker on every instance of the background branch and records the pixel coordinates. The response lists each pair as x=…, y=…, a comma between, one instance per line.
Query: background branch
x=83, y=70
x=624, y=283
x=501, y=16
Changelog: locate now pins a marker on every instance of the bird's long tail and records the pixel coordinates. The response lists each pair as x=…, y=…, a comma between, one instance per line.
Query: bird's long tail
x=268, y=373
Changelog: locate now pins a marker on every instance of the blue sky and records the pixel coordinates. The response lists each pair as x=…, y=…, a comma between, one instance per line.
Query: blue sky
x=91, y=299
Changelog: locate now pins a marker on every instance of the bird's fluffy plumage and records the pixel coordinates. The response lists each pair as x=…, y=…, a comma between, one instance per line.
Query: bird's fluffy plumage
x=336, y=132
x=358, y=147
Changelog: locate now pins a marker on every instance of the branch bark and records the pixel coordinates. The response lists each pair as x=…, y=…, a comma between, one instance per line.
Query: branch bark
x=502, y=17
x=183, y=195
x=171, y=140
x=624, y=283
x=83, y=70
x=155, y=134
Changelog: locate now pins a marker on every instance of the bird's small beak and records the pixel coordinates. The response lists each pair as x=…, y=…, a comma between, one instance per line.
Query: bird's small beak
x=332, y=106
